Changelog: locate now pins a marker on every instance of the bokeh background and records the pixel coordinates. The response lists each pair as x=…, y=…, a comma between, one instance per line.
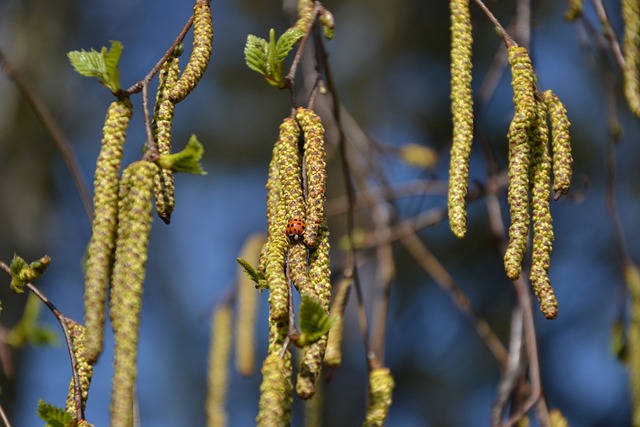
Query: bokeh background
x=391, y=65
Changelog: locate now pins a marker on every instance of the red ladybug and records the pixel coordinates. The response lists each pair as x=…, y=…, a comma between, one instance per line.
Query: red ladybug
x=295, y=228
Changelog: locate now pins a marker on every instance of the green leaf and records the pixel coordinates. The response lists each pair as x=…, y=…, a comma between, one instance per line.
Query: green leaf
x=17, y=266
x=187, y=160
x=255, y=54
x=286, y=41
x=103, y=64
x=255, y=275
x=274, y=65
x=314, y=321
x=111, y=60
x=53, y=416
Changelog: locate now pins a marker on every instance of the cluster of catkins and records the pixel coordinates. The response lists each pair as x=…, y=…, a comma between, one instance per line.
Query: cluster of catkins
x=530, y=163
x=297, y=252
x=117, y=251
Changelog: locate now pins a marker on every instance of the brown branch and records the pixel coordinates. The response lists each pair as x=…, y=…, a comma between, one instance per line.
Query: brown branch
x=53, y=129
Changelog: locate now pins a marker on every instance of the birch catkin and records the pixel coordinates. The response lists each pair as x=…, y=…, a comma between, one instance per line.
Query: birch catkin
x=83, y=366
x=218, y=375
x=103, y=228
x=541, y=215
x=316, y=172
x=561, y=143
x=631, y=52
x=290, y=169
x=163, y=181
x=522, y=80
x=134, y=225
x=462, y=111
x=200, y=54
x=381, y=386
x=319, y=274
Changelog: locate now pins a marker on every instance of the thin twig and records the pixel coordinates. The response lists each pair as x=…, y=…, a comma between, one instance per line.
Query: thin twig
x=609, y=32
x=434, y=268
x=499, y=28
x=62, y=320
x=351, y=269
x=53, y=129
x=4, y=417
x=291, y=75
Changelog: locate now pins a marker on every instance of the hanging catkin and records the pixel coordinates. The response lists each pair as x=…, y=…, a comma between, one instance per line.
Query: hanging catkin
x=218, y=369
x=200, y=54
x=134, y=225
x=84, y=368
x=103, y=229
x=316, y=172
x=522, y=81
x=319, y=274
x=462, y=111
x=541, y=215
x=631, y=52
x=381, y=386
x=561, y=144
x=163, y=181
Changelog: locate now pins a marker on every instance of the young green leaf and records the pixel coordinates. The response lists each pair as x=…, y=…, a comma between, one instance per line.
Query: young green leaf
x=255, y=275
x=17, y=265
x=103, y=64
x=53, y=416
x=286, y=41
x=187, y=160
x=314, y=320
x=255, y=54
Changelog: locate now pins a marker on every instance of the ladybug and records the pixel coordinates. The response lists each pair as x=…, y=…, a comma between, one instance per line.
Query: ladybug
x=295, y=228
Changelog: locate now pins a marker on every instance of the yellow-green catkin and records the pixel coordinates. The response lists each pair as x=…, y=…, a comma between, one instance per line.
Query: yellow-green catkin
x=315, y=172
x=299, y=269
x=218, y=371
x=632, y=280
x=247, y=308
x=319, y=273
x=274, y=252
x=200, y=54
x=574, y=10
x=163, y=182
x=561, y=144
x=631, y=52
x=462, y=112
x=134, y=225
x=522, y=81
x=305, y=14
x=103, y=228
x=556, y=419
x=381, y=386
x=290, y=169
x=274, y=406
x=333, y=354
x=83, y=367
x=541, y=215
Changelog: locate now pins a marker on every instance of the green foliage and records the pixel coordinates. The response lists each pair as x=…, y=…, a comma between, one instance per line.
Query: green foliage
x=28, y=330
x=267, y=58
x=314, y=321
x=54, y=416
x=103, y=64
x=257, y=276
x=23, y=273
x=187, y=160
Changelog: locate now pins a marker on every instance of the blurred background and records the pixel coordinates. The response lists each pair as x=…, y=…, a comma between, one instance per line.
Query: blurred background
x=391, y=65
